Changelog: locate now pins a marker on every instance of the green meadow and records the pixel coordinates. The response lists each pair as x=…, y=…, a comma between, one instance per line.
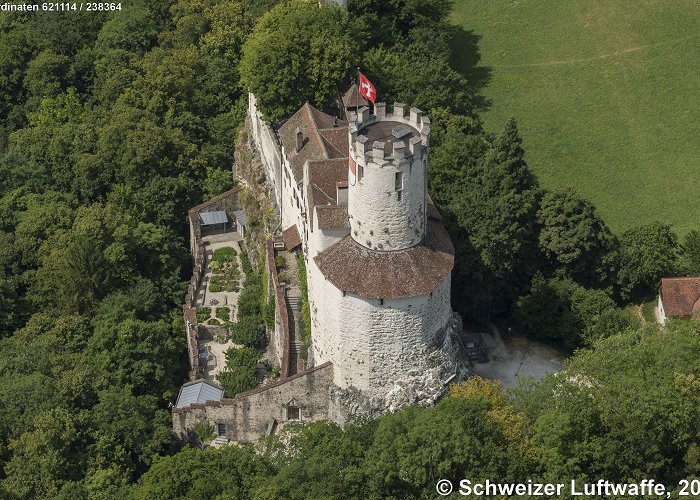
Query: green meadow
x=606, y=94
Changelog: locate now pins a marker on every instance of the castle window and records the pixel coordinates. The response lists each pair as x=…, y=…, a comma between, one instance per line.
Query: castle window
x=292, y=411
x=398, y=181
x=360, y=172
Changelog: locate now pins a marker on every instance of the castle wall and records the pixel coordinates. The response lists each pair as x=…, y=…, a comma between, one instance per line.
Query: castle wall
x=268, y=146
x=248, y=415
x=373, y=344
x=293, y=199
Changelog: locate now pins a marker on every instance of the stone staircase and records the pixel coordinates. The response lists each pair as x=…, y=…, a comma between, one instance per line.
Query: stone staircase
x=220, y=441
x=295, y=344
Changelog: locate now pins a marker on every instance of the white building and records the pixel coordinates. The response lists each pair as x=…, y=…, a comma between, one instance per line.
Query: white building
x=378, y=258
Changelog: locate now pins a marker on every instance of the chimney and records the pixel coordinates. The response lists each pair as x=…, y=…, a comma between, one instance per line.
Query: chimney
x=300, y=140
x=335, y=122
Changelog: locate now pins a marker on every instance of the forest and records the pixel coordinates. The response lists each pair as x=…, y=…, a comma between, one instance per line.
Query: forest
x=114, y=124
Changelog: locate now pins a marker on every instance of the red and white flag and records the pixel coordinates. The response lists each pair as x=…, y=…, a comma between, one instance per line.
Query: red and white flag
x=367, y=90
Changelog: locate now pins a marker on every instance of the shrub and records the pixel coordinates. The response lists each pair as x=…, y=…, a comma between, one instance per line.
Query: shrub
x=249, y=300
x=279, y=261
x=224, y=254
x=245, y=261
x=215, y=287
x=223, y=313
x=239, y=375
x=247, y=331
x=237, y=380
x=203, y=313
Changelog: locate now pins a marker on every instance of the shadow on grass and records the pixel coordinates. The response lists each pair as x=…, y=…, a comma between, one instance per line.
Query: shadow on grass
x=464, y=46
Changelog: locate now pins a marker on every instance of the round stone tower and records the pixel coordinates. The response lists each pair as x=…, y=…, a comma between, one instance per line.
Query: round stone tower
x=388, y=177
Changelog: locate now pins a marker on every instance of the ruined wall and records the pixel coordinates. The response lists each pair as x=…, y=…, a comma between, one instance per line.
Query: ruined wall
x=373, y=344
x=248, y=415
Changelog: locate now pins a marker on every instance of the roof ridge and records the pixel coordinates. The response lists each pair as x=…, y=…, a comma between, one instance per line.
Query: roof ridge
x=321, y=189
x=315, y=128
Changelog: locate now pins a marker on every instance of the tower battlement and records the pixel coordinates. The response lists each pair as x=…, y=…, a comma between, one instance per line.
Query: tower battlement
x=388, y=177
x=392, y=147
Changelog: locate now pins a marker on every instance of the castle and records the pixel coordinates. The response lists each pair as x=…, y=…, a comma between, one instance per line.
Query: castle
x=352, y=196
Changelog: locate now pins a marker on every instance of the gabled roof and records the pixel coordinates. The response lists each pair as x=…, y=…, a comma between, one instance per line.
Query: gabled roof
x=322, y=138
x=373, y=274
x=353, y=99
x=326, y=174
x=680, y=296
x=198, y=391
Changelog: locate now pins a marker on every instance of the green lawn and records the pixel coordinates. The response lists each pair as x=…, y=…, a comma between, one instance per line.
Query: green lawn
x=606, y=94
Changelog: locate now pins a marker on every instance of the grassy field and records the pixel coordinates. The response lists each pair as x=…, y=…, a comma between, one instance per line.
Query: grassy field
x=606, y=94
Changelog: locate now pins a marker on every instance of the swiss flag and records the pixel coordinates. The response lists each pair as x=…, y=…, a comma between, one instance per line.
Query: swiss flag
x=367, y=89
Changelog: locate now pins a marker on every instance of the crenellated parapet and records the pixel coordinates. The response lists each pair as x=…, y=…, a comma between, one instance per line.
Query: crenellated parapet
x=387, y=195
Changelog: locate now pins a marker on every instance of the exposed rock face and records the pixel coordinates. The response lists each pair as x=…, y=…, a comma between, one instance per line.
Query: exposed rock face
x=422, y=387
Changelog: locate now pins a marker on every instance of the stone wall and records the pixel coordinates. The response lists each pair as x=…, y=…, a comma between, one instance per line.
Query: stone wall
x=248, y=415
x=281, y=343
x=266, y=143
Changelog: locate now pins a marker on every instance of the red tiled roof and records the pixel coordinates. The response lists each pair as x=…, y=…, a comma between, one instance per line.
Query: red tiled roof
x=353, y=99
x=332, y=217
x=389, y=275
x=291, y=237
x=321, y=138
x=336, y=140
x=326, y=174
x=680, y=296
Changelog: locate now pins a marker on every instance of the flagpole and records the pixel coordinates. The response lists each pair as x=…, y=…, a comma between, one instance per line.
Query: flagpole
x=358, y=95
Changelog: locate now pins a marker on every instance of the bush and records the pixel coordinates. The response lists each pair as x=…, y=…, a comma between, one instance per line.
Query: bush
x=237, y=380
x=239, y=375
x=245, y=261
x=203, y=313
x=249, y=300
x=224, y=254
x=223, y=313
x=279, y=261
x=247, y=331
x=215, y=288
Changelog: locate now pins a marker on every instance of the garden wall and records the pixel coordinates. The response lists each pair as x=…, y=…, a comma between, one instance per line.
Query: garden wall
x=229, y=203
x=247, y=417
